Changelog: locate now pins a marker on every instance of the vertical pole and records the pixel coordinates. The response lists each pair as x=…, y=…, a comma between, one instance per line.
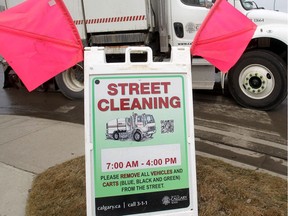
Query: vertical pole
x=85, y=24
x=6, y=5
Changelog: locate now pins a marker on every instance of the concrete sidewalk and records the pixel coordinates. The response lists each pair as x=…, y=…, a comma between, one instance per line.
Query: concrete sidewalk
x=28, y=146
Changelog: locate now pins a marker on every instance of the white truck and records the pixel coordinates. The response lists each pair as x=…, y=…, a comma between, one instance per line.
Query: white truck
x=135, y=126
x=258, y=80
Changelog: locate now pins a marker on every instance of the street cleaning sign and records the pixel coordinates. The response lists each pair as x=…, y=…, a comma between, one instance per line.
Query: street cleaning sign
x=140, y=152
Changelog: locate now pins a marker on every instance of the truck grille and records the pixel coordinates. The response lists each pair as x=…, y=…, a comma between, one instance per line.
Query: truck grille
x=152, y=128
x=118, y=38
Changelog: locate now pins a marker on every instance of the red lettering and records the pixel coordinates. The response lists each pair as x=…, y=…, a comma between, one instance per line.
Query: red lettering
x=155, y=88
x=175, y=102
x=135, y=104
x=124, y=104
x=163, y=102
x=112, y=89
x=145, y=88
x=147, y=103
x=122, y=86
x=165, y=84
x=112, y=106
x=134, y=87
x=139, y=103
x=155, y=103
x=103, y=108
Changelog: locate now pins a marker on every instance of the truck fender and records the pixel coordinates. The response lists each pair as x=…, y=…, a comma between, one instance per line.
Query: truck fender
x=279, y=32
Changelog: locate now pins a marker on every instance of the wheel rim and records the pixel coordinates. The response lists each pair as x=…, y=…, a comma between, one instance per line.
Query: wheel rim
x=116, y=136
x=256, y=81
x=74, y=78
x=137, y=136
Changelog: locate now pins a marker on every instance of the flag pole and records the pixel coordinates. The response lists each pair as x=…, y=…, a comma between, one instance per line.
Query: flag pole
x=85, y=24
x=6, y=5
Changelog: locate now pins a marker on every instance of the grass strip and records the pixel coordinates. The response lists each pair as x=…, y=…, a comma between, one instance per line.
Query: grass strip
x=222, y=190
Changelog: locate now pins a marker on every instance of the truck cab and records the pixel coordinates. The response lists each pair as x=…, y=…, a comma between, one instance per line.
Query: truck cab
x=259, y=79
x=146, y=125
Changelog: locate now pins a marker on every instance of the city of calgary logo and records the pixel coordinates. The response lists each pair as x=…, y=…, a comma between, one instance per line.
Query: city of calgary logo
x=166, y=200
x=175, y=199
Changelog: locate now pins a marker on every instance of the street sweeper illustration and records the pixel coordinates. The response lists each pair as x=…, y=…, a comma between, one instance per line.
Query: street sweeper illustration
x=135, y=127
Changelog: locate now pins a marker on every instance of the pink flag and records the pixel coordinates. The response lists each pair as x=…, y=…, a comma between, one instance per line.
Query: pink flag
x=39, y=40
x=223, y=36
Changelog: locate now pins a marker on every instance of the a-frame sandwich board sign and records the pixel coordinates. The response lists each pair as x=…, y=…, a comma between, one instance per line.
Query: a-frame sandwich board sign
x=139, y=135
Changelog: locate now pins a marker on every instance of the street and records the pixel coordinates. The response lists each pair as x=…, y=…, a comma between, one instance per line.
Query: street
x=223, y=129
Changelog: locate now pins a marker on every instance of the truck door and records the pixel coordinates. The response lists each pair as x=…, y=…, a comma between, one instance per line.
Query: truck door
x=186, y=17
x=6, y=4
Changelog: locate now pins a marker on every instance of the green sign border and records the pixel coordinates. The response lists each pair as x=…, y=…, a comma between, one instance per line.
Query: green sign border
x=94, y=115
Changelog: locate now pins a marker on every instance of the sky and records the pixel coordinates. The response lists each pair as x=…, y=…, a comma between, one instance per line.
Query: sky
x=280, y=5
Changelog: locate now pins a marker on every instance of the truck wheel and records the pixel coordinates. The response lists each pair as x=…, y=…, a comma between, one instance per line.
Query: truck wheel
x=71, y=82
x=137, y=136
x=258, y=80
x=116, y=136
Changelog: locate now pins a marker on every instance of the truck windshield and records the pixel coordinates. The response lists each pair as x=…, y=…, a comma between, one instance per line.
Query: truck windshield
x=249, y=5
x=150, y=119
x=200, y=3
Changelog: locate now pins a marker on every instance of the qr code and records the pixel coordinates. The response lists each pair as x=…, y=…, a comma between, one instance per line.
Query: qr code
x=167, y=126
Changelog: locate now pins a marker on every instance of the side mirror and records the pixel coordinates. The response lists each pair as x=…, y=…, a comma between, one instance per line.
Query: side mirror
x=248, y=5
x=209, y=4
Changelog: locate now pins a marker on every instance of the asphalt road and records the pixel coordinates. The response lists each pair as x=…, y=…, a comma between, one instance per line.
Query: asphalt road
x=252, y=137
x=223, y=129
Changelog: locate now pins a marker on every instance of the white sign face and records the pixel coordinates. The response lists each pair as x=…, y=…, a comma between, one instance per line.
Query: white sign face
x=143, y=157
x=139, y=130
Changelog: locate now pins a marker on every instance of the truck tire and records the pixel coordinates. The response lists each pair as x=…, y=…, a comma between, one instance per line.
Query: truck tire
x=71, y=82
x=137, y=136
x=116, y=135
x=258, y=80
